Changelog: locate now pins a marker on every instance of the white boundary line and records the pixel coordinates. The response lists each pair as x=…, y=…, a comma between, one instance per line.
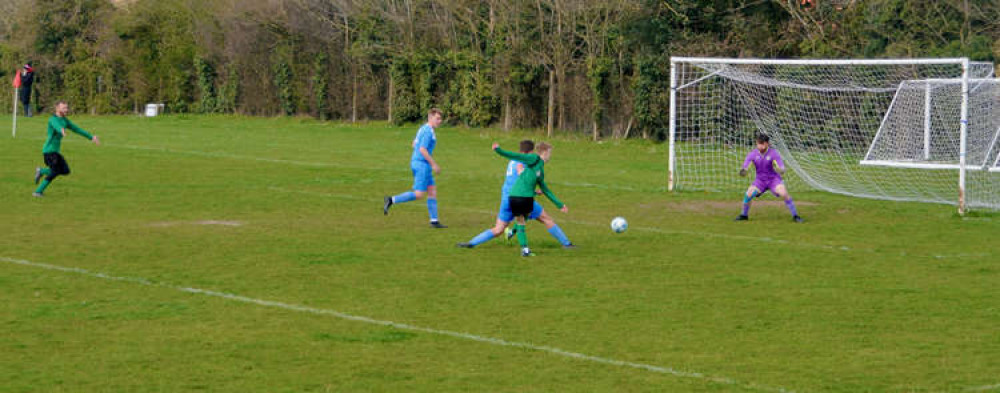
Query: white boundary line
x=984, y=388
x=398, y=325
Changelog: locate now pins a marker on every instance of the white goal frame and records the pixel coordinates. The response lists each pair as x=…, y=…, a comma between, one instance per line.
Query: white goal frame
x=963, y=62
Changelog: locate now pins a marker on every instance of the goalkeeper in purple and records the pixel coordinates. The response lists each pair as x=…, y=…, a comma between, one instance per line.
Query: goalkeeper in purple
x=770, y=167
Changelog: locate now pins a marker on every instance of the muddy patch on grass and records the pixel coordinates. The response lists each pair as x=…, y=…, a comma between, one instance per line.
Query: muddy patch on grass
x=715, y=206
x=224, y=223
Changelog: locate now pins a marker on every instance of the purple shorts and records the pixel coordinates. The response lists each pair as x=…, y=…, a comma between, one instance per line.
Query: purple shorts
x=765, y=185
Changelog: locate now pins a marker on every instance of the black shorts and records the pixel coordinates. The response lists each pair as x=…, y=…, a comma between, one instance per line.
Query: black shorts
x=521, y=206
x=56, y=163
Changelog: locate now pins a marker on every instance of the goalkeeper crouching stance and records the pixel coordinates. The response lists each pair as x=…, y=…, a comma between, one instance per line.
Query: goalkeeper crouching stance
x=769, y=167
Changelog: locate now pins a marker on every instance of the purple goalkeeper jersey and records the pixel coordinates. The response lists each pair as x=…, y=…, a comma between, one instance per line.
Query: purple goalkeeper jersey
x=763, y=164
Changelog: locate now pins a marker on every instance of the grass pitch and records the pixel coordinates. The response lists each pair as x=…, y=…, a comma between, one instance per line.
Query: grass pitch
x=281, y=219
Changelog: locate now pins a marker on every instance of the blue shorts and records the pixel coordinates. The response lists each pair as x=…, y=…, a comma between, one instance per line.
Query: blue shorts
x=423, y=176
x=506, y=215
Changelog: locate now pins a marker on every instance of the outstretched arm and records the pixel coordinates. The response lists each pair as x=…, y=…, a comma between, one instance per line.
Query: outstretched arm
x=552, y=197
x=525, y=158
x=78, y=130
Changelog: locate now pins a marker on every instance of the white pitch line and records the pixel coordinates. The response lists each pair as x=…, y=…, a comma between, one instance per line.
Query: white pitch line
x=399, y=325
x=984, y=388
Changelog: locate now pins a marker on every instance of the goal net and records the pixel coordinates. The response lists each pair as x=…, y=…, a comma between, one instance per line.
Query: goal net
x=884, y=129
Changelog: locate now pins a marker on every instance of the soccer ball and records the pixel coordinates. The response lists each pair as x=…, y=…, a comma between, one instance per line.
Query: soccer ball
x=619, y=225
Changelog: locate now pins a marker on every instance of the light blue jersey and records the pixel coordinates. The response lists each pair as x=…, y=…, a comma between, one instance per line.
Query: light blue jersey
x=506, y=215
x=425, y=139
x=509, y=179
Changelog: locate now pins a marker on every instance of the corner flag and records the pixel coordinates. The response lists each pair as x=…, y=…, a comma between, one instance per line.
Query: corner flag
x=17, y=85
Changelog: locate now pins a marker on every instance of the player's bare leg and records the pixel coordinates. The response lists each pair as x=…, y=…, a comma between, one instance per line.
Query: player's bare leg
x=748, y=197
x=782, y=192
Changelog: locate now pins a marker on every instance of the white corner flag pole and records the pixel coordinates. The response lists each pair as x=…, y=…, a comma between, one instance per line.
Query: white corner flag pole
x=13, y=133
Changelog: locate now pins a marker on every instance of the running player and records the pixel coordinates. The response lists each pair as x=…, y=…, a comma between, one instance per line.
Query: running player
x=522, y=195
x=56, y=163
x=423, y=166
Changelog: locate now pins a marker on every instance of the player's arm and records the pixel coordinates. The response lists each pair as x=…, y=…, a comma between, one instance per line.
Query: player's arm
x=778, y=163
x=746, y=164
x=525, y=158
x=82, y=132
x=422, y=142
x=430, y=160
x=552, y=197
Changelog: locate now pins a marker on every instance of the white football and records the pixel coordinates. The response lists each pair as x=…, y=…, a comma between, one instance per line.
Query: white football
x=619, y=225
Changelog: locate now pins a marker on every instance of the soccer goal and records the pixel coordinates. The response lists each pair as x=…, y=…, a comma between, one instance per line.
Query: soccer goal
x=894, y=129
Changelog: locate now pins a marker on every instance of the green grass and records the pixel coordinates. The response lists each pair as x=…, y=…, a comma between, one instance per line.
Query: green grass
x=865, y=296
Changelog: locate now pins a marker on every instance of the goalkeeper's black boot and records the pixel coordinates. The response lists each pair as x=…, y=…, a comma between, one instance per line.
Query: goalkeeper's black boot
x=742, y=218
x=387, y=205
x=798, y=219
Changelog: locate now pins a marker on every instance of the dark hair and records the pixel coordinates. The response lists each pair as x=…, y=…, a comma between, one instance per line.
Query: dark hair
x=527, y=146
x=763, y=138
x=434, y=111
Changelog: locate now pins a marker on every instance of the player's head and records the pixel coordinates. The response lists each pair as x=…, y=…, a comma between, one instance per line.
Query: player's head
x=434, y=117
x=62, y=108
x=527, y=146
x=544, y=151
x=763, y=142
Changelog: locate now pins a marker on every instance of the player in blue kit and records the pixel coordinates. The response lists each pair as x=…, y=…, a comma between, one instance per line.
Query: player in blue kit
x=769, y=166
x=423, y=166
x=506, y=216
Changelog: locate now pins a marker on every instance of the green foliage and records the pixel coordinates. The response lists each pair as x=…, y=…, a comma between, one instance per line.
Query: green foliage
x=206, y=86
x=404, y=105
x=281, y=71
x=598, y=69
x=651, y=95
x=229, y=92
x=468, y=58
x=321, y=86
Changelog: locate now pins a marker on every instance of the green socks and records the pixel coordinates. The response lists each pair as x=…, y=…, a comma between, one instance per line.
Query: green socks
x=522, y=235
x=41, y=187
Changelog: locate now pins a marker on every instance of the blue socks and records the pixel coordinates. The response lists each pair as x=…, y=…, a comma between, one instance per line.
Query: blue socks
x=432, y=208
x=481, y=238
x=432, y=203
x=404, y=197
x=746, y=202
x=791, y=207
x=559, y=235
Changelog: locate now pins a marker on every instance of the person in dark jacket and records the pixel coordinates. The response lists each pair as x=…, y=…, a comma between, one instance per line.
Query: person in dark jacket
x=27, y=78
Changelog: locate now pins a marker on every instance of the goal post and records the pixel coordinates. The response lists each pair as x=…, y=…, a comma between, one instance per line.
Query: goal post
x=894, y=129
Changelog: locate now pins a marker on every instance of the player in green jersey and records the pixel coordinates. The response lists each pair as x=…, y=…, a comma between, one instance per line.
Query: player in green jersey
x=58, y=124
x=522, y=195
